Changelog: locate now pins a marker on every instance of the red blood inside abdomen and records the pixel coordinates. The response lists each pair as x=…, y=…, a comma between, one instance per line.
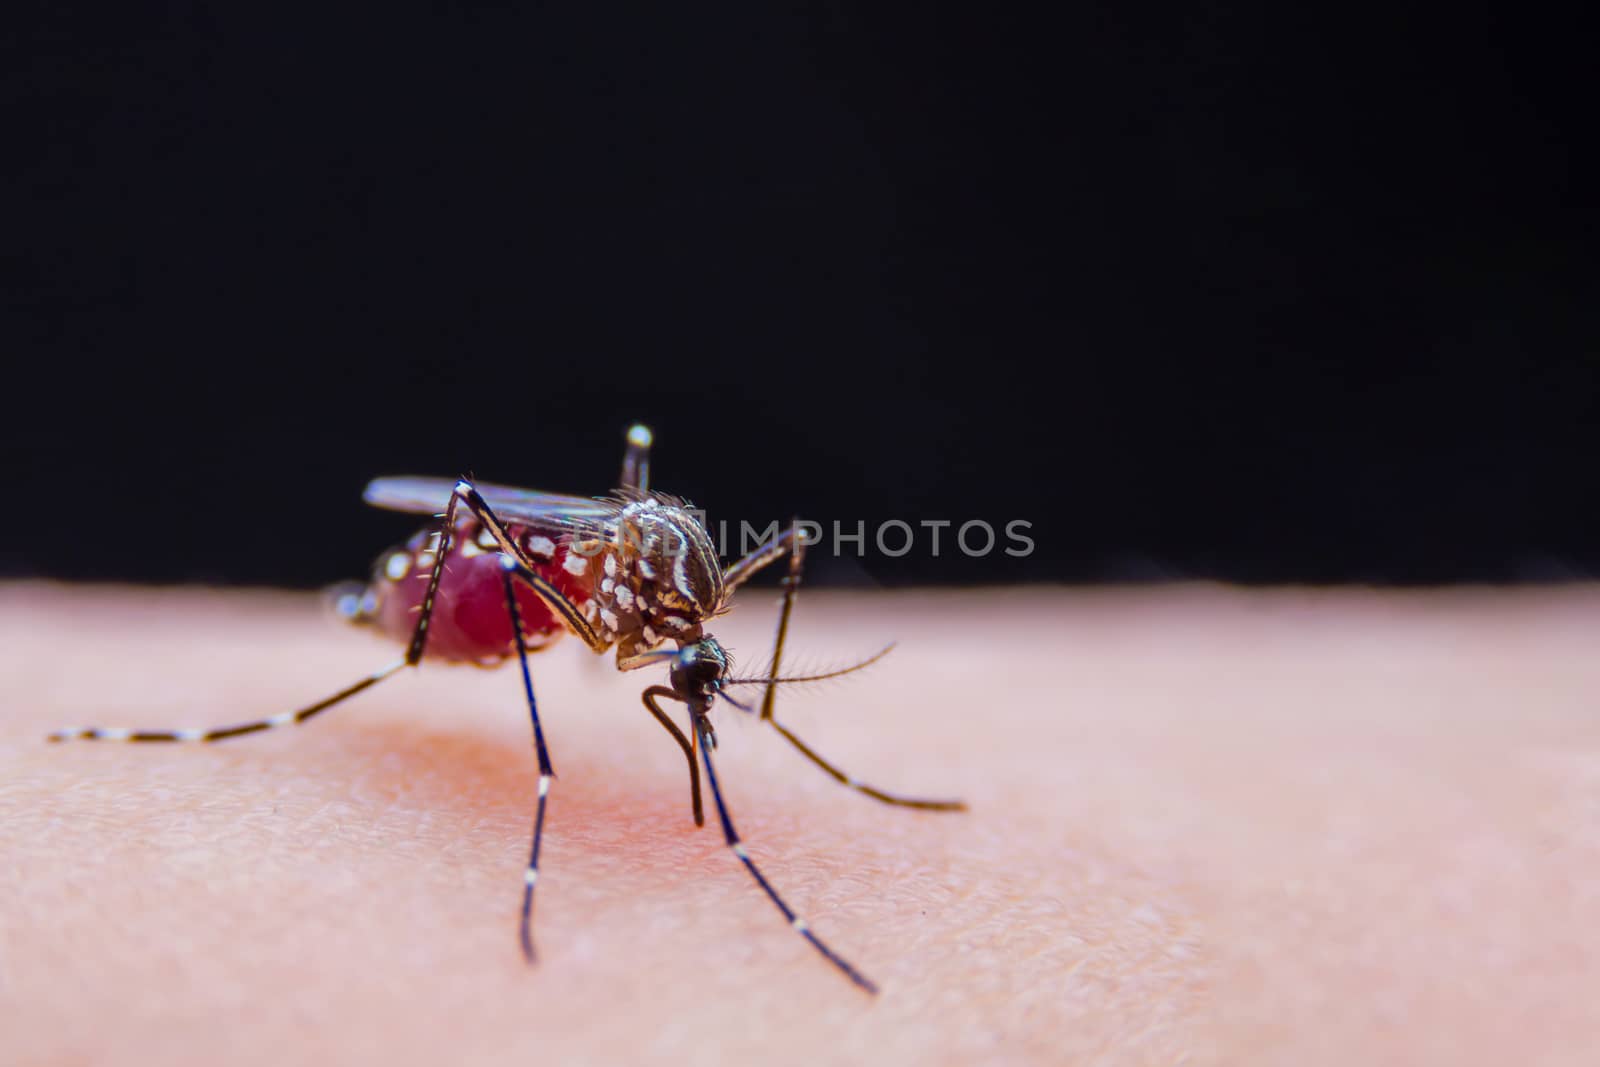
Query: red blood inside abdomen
x=469, y=621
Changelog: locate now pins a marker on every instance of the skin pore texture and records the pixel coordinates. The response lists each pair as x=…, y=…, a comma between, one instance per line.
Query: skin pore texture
x=1206, y=826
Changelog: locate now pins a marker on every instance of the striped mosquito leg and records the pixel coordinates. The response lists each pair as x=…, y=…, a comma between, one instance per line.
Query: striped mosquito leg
x=414, y=650
x=922, y=803
x=441, y=551
x=223, y=733
x=546, y=770
x=742, y=570
x=517, y=562
x=636, y=460
x=791, y=586
x=731, y=836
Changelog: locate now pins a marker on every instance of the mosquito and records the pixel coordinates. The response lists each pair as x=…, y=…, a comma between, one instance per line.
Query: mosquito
x=503, y=572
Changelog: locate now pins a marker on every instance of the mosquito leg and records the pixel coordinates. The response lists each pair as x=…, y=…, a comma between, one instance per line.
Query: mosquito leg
x=741, y=570
x=223, y=733
x=524, y=570
x=441, y=551
x=414, y=650
x=791, y=586
x=922, y=803
x=731, y=836
x=546, y=770
x=683, y=743
x=636, y=460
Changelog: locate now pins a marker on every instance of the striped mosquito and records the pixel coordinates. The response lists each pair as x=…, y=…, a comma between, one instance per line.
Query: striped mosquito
x=503, y=572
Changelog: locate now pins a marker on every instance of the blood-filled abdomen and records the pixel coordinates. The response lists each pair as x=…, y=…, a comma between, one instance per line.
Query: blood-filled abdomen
x=470, y=622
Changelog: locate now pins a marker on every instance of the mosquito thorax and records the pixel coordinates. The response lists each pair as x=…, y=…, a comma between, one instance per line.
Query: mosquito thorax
x=652, y=572
x=698, y=669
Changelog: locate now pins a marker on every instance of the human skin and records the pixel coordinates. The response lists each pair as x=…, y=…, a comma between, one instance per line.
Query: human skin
x=1206, y=826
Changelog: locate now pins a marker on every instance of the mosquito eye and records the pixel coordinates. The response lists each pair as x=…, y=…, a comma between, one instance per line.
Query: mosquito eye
x=693, y=669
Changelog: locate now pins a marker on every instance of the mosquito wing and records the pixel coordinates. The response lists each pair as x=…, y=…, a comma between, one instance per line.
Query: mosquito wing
x=525, y=507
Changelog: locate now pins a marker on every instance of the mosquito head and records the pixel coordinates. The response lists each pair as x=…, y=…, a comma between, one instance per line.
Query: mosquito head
x=698, y=670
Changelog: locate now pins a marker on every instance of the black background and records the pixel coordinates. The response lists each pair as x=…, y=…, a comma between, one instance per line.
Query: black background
x=1256, y=293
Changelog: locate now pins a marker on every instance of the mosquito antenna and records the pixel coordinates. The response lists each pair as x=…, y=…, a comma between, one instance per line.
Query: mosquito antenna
x=824, y=676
